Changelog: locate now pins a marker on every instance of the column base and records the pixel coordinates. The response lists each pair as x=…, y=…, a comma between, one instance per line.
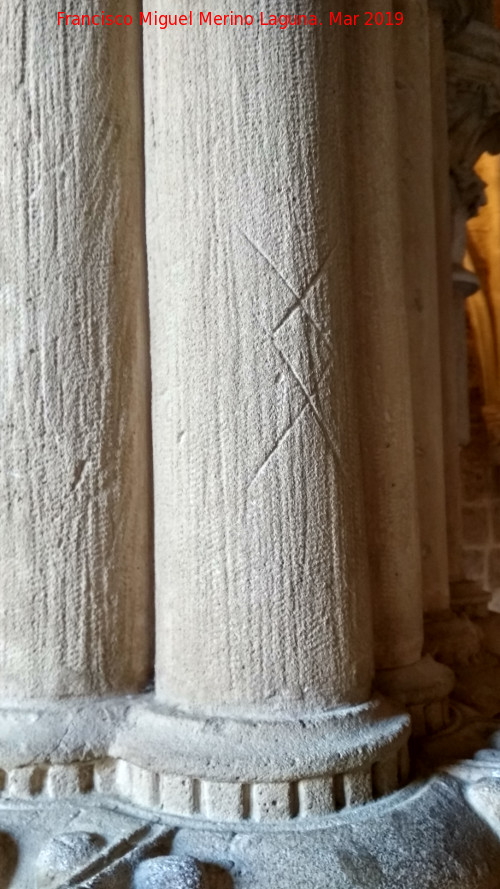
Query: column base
x=221, y=769
x=423, y=689
x=260, y=770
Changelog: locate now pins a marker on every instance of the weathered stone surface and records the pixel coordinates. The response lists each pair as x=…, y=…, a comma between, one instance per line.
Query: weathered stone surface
x=352, y=856
x=189, y=760
x=46, y=843
x=253, y=413
x=484, y=796
x=169, y=872
x=418, y=683
x=64, y=856
x=432, y=836
x=452, y=639
x=382, y=845
x=75, y=553
x=262, y=596
x=468, y=597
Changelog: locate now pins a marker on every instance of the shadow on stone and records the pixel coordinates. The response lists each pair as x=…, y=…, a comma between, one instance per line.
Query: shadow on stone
x=217, y=878
x=8, y=859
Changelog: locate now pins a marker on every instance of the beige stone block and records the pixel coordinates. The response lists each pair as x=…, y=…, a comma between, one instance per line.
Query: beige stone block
x=272, y=802
x=385, y=776
x=137, y=784
x=26, y=782
x=358, y=787
x=227, y=801
x=69, y=779
x=316, y=796
x=105, y=776
x=250, y=381
x=178, y=795
x=75, y=554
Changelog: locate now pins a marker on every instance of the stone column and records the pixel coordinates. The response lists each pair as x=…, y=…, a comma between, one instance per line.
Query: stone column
x=74, y=462
x=263, y=612
x=414, y=91
x=383, y=365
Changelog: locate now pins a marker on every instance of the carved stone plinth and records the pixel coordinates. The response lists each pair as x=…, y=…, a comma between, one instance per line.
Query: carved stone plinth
x=223, y=769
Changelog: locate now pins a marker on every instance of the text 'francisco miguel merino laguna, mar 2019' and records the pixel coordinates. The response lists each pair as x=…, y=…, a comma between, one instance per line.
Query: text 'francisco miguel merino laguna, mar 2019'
x=232, y=19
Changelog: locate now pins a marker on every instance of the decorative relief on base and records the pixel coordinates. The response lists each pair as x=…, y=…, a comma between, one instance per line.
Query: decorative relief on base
x=261, y=801
x=212, y=800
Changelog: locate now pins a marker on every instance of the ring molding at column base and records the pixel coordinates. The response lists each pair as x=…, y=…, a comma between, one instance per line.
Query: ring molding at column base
x=231, y=770
x=220, y=769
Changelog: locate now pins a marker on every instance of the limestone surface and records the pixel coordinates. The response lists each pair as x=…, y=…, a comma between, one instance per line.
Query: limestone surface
x=262, y=596
x=75, y=552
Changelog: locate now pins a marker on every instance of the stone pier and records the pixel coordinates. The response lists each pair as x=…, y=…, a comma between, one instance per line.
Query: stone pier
x=228, y=453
